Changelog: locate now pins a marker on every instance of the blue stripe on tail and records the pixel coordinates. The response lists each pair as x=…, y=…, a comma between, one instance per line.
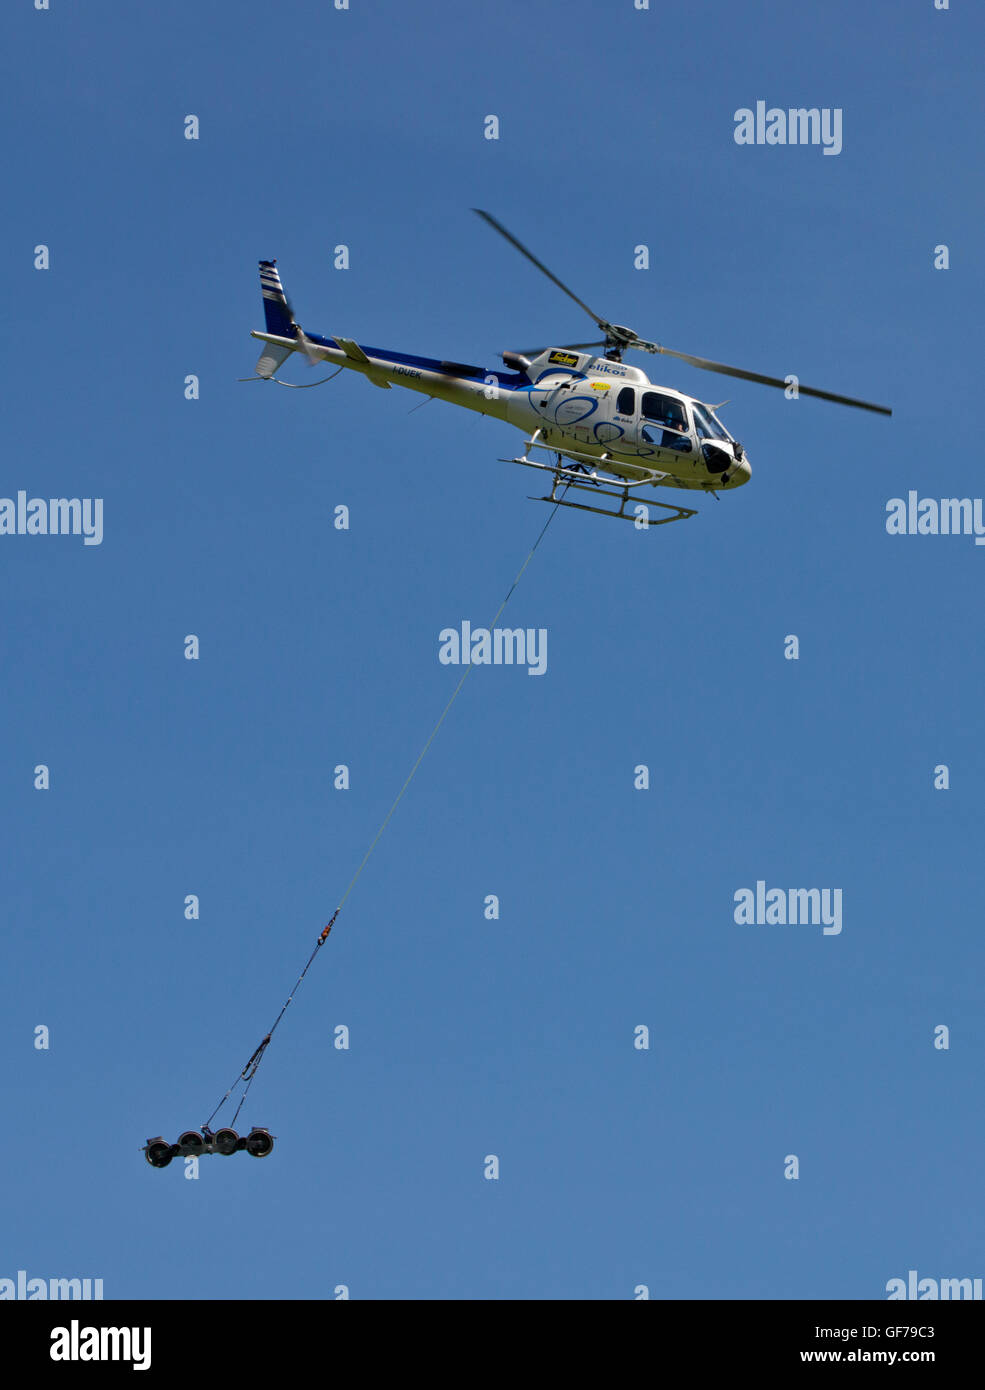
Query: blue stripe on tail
x=276, y=309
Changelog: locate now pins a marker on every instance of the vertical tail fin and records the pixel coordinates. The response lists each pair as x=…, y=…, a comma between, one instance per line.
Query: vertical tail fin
x=277, y=310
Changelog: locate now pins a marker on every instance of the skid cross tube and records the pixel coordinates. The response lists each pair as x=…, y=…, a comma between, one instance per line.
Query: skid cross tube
x=579, y=478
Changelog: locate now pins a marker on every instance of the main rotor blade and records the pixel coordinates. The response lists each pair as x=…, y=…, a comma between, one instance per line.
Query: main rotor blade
x=704, y=363
x=707, y=365
x=498, y=226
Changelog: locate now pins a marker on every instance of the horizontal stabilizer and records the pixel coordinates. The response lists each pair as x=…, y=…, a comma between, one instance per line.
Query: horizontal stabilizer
x=352, y=350
x=355, y=353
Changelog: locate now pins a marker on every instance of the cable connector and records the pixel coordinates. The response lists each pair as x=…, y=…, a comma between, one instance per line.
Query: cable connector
x=324, y=936
x=247, y=1074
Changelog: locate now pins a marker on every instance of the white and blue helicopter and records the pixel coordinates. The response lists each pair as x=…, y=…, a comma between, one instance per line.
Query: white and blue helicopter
x=611, y=431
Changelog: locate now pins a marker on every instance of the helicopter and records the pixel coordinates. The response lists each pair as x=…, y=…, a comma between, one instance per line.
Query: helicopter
x=610, y=431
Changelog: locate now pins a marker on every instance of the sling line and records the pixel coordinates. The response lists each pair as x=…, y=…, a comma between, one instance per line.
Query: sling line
x=252, y=1066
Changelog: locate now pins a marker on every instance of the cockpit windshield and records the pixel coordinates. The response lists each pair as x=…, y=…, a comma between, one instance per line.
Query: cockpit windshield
x=707, y=424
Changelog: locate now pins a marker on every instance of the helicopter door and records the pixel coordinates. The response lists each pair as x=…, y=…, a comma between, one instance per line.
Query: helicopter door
x=624, y=418
x=664, y=423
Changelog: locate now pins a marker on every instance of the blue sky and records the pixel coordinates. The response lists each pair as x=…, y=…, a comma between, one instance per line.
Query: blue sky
x=619, y=1167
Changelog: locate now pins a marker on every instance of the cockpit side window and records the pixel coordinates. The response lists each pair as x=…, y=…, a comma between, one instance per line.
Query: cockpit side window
x=664, y=410
x=626, y=401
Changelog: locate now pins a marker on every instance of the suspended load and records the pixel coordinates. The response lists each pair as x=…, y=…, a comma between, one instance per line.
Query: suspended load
x=192, y=1144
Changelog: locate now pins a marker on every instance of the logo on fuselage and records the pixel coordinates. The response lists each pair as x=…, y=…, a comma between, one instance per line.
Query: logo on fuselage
x=564, y=359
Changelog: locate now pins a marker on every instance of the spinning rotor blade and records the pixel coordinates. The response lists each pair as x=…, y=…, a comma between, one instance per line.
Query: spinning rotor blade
x=306, y=345
x=708, y=366
x=498, y=226
x=623, y=338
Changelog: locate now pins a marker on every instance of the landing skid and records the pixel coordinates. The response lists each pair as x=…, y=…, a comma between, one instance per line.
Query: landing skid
x=584, y=477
